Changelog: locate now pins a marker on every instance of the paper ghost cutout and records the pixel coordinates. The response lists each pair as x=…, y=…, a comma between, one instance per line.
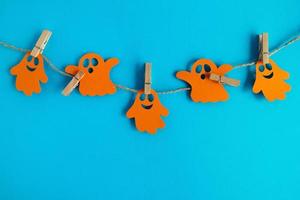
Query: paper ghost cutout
x=96, y=80
x=29, y=73
x=147, y=111
x=202, y=88
x=270, y=80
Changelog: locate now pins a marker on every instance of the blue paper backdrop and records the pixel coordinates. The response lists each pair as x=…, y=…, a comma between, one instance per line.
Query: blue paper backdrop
x=55, y=147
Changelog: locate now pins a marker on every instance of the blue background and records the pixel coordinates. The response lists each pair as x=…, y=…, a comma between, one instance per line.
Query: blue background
x=56, y=147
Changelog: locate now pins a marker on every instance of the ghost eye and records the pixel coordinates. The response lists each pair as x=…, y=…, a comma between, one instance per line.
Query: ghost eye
x=199, y=68
x=142, y=97
x=94, y=62
x=86, y=62
x=150, y=97
x=269, y=66
x=207, y=68
x=29, y=58
x=261, y=68
x=36, y=61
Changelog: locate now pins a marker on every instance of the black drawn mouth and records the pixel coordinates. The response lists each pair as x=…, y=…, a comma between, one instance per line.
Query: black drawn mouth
x=147, y=107
x=202, y=76
x=90, y=70
x=269, y=76
x=30, y=69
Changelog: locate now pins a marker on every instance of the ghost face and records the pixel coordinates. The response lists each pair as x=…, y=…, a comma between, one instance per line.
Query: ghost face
x=147, y=111
x=90, y=63
x=202, y=69
x=266, y=71
x=202, y=88
x=96, y=80
x=146, y=101
x=270, y=80
x=32, y=63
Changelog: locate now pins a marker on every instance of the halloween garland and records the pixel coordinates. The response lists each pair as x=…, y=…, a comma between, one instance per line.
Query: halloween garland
x=206, y=80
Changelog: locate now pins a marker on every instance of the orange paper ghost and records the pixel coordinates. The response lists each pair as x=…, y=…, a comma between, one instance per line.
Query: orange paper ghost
x=29, y=73
x=96, y=80
x=270, y=81
x=147, y=111
x=202, y=88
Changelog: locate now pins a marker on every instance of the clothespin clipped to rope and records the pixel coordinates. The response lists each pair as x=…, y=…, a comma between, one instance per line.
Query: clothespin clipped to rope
x=147, y=83
x=264, y=48
x=73, y=83
x=41, y=43
x=224, y=80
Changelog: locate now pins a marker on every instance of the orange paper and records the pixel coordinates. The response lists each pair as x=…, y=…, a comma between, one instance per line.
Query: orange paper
x=270, y=80
x=202, y=88
x=147, y=111
x=97, y=74
x=29, y=73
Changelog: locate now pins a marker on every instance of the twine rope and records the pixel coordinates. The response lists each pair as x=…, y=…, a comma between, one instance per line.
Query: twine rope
x=173, y=91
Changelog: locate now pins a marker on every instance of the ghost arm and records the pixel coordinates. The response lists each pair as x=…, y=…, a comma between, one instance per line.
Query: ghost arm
x=285, y=75
x=72, y=69
x=256, y=87
x=223, y=69
x=131, y=112
x=15, y=70
x=185, y=76
x=42, y=75
x=44, y=78
x=163, y=111
x=110, y=63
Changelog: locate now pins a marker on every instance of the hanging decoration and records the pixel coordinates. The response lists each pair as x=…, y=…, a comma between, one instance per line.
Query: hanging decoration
x=96, y=80
x=29, y=73
x=270, y=80
x=203, y=88
x=269, y=77
x=207, y=81
x=147, y=109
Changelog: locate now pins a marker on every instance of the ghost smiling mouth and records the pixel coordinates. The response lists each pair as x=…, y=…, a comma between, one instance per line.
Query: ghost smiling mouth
x=269, y=76
x=30, y=69
x=147, y=107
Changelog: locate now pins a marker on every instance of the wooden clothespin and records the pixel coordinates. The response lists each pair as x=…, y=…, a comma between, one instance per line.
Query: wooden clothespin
x=73, y=83
x=264, y=48
x=147, y=83
x=41, y=43
x=224, y=80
